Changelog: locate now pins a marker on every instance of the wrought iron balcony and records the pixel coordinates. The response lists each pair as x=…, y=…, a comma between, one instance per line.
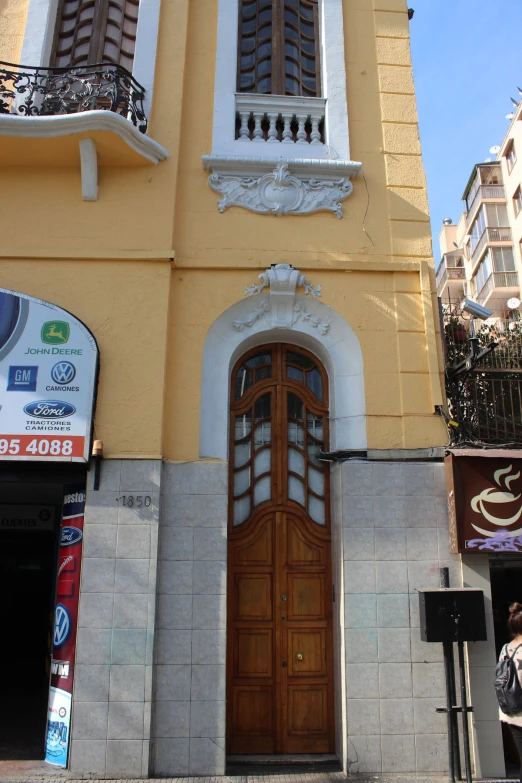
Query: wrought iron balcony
x=44, y=92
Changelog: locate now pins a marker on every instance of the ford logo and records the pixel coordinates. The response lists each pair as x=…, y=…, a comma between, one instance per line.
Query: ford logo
x=50, y=409
x=70, y=536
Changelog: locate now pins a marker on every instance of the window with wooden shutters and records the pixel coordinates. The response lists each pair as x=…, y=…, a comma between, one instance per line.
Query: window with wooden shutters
x=95, y=31
x=278, y=50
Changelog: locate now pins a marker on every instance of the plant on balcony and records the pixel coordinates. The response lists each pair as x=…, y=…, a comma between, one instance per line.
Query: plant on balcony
x=486, y=401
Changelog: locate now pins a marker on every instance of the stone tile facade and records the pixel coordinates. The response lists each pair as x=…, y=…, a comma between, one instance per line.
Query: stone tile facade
x=189, y=707
x=394, y=541
x=150, y=683
x=113, y=678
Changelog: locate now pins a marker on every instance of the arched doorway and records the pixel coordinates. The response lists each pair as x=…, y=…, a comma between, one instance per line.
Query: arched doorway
x=279, y=639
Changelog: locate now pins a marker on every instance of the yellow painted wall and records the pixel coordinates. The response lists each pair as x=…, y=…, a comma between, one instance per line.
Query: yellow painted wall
x=12, y=23
x=125, y=305
x=375, y=264
x=385, y=226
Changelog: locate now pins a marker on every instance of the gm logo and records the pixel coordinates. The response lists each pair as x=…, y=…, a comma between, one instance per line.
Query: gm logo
x=22, y=379
x=63, y=372
x=62, y=625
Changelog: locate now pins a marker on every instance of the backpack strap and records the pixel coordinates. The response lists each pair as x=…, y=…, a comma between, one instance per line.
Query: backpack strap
x=514, y=651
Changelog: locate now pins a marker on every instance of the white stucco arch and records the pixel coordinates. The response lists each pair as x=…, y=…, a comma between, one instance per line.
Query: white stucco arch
x=338, y=349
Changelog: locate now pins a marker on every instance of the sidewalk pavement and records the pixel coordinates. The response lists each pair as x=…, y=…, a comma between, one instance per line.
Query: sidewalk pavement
x=300, y=777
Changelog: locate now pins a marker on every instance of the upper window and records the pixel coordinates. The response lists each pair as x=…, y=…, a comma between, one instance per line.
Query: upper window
x=517, y=200
x=278, y=47
x=95, y=31
x=510, y=155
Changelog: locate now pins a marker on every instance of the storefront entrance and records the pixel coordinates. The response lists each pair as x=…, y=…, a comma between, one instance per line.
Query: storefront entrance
x=30, y=516
x=280, y=655
x=506, y=587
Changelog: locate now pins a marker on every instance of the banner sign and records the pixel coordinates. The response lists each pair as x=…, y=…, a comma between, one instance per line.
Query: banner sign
x=484, y=503
x=64, y=631
x=21, y=517
x=48, y=373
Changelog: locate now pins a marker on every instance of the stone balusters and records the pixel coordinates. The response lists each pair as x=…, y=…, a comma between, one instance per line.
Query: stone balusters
x=276, y=119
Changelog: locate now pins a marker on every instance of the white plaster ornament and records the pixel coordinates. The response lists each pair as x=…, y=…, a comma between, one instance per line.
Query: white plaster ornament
x=281, y=307
x=279, y=193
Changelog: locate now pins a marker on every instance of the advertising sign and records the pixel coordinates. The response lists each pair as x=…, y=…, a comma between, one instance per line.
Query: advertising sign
x=485, y=503
x=24, y=517
x=64, y=631
x=48, y=371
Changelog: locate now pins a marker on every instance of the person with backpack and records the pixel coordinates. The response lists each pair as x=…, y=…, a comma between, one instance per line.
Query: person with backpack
x=508, y=679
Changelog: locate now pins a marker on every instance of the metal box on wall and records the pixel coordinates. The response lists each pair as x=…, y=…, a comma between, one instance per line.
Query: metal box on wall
x=452, y=614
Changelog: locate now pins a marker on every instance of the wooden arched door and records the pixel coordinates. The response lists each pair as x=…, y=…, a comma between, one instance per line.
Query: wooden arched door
x=279, y=640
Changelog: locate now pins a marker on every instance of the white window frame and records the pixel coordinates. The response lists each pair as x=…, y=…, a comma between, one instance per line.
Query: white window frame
x=333, y=77
x=39, y=32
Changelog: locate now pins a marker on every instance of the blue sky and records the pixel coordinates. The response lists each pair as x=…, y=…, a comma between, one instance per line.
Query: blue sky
x=467, y=62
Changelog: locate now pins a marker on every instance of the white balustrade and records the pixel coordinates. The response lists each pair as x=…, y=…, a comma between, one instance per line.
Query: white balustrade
x=280, y=119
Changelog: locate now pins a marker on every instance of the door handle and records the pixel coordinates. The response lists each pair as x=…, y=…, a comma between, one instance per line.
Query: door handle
x=299, y=657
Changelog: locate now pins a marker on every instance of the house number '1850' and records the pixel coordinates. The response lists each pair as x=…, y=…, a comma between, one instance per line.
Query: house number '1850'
x=134, y=500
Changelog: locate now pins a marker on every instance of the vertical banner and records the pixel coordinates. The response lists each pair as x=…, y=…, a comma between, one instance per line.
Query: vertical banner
x=64, y=631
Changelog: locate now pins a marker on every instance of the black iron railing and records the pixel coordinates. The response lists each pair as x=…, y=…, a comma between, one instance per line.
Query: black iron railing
x=485, y=401
x=43, y=92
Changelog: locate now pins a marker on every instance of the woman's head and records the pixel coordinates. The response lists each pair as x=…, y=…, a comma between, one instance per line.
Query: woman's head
x=515, y=619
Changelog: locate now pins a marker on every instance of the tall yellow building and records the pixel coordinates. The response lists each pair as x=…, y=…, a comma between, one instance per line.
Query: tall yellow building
x=240, y=232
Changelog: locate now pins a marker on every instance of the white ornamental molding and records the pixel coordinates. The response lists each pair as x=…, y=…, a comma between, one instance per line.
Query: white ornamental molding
x=273, y=187
x=281, y=307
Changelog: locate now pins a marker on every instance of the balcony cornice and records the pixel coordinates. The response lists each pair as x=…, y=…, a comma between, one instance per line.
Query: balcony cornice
x=53, y=126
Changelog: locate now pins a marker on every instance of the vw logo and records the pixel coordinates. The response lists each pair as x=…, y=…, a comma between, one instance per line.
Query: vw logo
x=63, y=372
x=62, y=625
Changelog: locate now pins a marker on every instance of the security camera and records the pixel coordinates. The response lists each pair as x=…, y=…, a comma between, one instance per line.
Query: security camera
x=476, y=310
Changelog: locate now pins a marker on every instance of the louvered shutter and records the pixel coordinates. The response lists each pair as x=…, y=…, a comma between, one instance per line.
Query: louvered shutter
x=95, y=31
x=278, y=47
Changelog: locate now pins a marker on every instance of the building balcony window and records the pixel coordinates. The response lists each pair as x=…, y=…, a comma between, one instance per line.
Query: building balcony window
x=488, y=236
x=48, y=114
x=451, y=268
x=483, y=193
x=44, y=92
x=496, y=280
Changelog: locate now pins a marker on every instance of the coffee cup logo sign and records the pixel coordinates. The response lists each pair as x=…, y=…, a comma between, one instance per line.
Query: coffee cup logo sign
x=485, y=501
x=482, y=502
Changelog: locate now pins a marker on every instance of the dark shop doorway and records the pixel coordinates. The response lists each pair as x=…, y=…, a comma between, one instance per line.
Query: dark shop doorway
x=506, y=587
x=30, y=517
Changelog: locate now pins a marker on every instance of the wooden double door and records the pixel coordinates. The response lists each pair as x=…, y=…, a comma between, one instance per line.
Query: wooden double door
x=279, y=641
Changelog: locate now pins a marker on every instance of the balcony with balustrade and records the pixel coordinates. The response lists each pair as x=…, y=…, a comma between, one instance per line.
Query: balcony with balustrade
x=496, y=290
x=485, y=186
x=451, y=277
x=490, y=237
x=89, y=114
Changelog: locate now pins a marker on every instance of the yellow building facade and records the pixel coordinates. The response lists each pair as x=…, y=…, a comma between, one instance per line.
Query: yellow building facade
x=241, y=222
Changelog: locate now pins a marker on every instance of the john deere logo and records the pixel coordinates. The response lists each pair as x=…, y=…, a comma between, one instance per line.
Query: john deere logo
x=55, y=332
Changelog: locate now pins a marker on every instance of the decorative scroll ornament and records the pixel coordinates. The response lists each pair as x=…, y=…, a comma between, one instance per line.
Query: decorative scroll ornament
x=280, y=193
x=281, y=307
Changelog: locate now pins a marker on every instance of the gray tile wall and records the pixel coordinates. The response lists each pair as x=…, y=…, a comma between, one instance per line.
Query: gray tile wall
x=395, y=540
x=189, y=683
x=113, y=678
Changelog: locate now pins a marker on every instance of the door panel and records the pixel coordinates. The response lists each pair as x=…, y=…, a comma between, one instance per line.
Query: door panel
x=254, y=596
x=254, y=653
x=279, y=656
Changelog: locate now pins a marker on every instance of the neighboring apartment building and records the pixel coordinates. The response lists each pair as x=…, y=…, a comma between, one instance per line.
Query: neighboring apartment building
x=219, y=295
x=481, y=260
x=481, y=256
